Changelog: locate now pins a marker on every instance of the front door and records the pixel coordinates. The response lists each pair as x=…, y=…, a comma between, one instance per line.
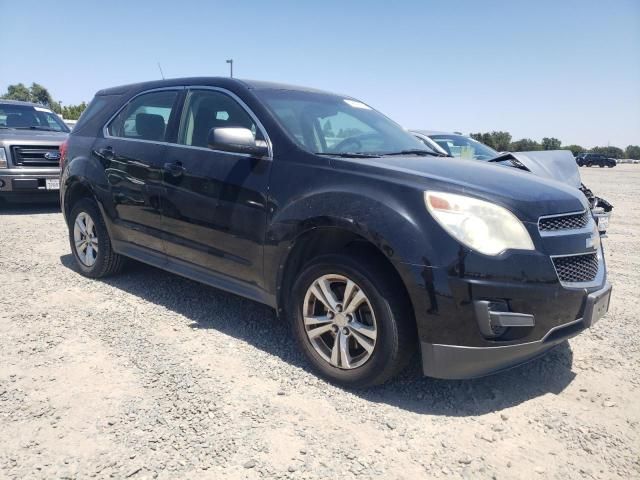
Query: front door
x=215, y=203
x=133, y=152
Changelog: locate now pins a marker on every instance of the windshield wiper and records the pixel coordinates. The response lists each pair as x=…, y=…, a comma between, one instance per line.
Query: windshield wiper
x=417, y=151
x=348, y=154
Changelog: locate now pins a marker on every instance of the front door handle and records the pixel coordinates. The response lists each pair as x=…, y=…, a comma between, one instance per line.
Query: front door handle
x=174, y=169
x=107, y=152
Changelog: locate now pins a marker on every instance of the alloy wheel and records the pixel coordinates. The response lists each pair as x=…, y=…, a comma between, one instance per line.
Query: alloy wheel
x=339, y=321
x=85, y=239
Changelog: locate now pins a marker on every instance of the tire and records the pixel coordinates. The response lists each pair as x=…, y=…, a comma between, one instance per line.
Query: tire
x=91, y=264
x=385, y=309
x=589, y=164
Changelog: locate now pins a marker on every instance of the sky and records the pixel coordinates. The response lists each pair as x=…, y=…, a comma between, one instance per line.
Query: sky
x=568, y=69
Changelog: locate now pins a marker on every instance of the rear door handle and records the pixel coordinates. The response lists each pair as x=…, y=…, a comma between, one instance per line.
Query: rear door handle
x=174, y=169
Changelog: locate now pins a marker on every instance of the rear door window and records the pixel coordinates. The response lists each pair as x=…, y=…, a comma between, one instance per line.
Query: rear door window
x=146, y=117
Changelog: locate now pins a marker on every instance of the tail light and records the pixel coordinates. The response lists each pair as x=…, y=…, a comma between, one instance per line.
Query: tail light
x=64, y=147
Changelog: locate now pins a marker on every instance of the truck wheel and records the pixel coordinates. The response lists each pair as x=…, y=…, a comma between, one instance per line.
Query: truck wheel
x=589, y=164
x=90, y=242
x=351, y=321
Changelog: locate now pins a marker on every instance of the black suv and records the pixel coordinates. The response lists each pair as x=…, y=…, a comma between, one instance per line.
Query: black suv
x=30, y=137
x=591, y=159
x=369, y=244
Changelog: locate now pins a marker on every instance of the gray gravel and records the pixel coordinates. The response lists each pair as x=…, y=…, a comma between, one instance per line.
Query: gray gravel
x=148, y=375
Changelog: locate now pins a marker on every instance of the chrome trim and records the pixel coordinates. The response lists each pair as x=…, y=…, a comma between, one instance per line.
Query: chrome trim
x=593, y=283
x=105, y=131
x=588, y=228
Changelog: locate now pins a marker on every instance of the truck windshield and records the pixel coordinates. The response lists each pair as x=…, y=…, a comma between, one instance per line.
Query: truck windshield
x=464, y=147
x=30, y=117
x=329, y=124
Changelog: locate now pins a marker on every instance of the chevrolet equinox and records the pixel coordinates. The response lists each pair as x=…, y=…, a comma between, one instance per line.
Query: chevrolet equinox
x=368, y=242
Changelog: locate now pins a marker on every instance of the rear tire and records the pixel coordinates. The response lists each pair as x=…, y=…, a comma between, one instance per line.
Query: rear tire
x=372, y=327
x=90, y=242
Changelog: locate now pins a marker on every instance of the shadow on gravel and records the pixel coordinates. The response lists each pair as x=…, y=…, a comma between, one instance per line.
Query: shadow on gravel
x=7, y=208
x=208, y=308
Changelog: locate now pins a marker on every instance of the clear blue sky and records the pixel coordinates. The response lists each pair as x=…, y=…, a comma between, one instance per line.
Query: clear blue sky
x=536, y=68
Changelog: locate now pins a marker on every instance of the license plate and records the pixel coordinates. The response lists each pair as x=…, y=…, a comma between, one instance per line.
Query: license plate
x=52, y=183
x=599, y=307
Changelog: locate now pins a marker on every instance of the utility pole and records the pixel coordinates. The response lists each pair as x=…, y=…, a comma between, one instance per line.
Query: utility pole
x=230, y=62
x=160, y=68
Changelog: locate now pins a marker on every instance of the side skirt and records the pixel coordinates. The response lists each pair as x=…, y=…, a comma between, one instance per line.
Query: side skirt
x=194, y=272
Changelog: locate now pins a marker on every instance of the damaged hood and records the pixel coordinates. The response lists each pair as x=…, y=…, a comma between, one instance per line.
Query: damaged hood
x=554, y=164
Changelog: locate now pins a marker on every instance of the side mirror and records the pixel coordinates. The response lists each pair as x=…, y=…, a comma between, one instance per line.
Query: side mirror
x=235, y=140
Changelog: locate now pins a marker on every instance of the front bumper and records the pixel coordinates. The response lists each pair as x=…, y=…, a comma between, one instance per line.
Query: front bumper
x=461, y=362
x=25, y=183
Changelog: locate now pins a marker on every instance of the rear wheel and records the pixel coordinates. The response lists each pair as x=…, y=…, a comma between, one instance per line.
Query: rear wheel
x=353, y=324
x=90, y=242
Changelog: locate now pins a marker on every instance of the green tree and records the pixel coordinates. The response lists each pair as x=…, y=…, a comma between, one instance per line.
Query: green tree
x=612, y=152
x=551, y=143
x=40, y=95
x=18, y=92
x=632, y=151
x=496, y=139
x=575, y=149
x=73, y=112
x=524, y=145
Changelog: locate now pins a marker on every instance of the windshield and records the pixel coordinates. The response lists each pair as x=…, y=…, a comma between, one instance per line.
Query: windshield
x=327, y=124
x=28, y=117
x=464, y=147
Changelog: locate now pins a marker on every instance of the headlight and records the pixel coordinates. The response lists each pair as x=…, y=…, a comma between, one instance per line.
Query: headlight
x=479, y=225
x=3, y=158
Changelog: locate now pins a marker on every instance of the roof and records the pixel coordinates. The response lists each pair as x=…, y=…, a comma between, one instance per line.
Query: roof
x=211, y=81
x=20, y=102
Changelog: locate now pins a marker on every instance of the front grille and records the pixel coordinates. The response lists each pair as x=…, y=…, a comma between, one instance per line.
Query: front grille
x=34, y=156
x=572, y=221
x=577, y=268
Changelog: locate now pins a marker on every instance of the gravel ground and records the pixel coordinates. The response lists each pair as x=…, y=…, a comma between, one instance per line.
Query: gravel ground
x=150, y=375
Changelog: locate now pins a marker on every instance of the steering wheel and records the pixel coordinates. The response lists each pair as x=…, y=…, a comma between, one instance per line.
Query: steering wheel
x=353, y=144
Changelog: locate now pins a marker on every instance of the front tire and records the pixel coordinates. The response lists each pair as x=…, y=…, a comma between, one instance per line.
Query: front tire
x=90, y=242
x=352, y=322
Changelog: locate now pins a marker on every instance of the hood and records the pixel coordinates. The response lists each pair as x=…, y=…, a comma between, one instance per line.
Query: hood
x=13, y=134
x=554, y=164
x=528, y=196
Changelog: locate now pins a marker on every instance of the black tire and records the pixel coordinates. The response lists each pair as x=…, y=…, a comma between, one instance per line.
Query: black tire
x=396, y=338
x=589, y=164
x=107, y=262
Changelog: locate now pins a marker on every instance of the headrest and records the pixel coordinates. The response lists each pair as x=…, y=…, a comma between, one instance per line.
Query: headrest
x=150, y=126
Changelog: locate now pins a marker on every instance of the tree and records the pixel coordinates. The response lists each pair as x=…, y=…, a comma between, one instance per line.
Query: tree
x=632, y=151
x=612, y=152
x=18, y=92
x=40, y=95
x=551, y=143
x=575, y=149
x=496, y=140
x=326, y=129
x=524, y=145
x=73, y=112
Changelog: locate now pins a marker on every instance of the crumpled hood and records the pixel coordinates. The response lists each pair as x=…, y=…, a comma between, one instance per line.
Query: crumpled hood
x=554, y=164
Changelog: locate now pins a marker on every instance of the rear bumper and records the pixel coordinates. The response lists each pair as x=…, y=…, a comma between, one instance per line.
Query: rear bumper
x=22, y=184
x=461, y=362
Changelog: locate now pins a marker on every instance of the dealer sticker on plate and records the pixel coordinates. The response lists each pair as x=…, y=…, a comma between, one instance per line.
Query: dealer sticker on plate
x=52, y=183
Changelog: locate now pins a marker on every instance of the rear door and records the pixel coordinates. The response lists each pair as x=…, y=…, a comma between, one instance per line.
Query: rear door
x=215, y=202
x=133, y=151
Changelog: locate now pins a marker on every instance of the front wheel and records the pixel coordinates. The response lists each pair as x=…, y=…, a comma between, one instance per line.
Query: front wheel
x=90, y=242
x=352, y=322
